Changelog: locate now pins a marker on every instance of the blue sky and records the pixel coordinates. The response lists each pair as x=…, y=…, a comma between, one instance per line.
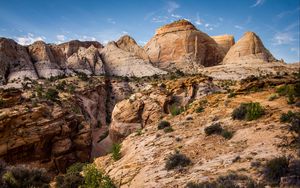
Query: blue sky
x=55, y=21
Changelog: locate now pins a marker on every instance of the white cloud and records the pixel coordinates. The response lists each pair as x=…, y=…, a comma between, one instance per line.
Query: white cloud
x=160, y=19
x=172, y=6
x=288, y=12
x=258, y=3
x=198, y=20
x=87, y=38
x=29, y=39
x=111, y=21
x=296, y=50
x=176, y=16
x=239, y=27
x=208, y=27
x=283, y=38
x=61, y=37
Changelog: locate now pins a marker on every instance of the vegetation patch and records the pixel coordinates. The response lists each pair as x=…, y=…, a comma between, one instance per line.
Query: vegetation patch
x=176, y=110
x=275, y=169
x=163, y=124
x=248, y=111
x=116, y=151
x=177, y=160
x=216, y=128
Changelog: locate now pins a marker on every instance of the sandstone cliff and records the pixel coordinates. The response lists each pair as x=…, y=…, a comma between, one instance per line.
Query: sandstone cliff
x=128, y=44
x=225, y=41
x=248, y=49
x=180, y=45
x=119, y=62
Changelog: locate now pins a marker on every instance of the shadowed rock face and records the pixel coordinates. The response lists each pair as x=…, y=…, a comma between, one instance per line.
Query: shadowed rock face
x=248, y=49
x=121, y=62
x=180, y=45
x=224, y=41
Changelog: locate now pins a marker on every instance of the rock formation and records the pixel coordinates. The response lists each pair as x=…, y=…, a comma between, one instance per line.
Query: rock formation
x=180, y=45
x=128, y=44
x=120, y=62
x=249, y=49
x=43, y=60
x=15, y=62
x=224, y=41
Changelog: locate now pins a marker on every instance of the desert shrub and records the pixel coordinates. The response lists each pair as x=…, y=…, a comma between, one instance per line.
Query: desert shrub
x=23, y=176
x=177, y=160
x=273, y=97
x=163, y=124
x=231, y=180
x=227, y=134
x=61, y=86
x=287, y=117
x=295, y=125
x=283, y=90
x=168, y=129
x=69, y=181
x=71, y=88
x=82, y=76
x=290, y=99
x=215, y=128
x=51, y=94
x=176, y=110
x=231, y=95
x=93, y=178
x=200, y=109
x=275, y=169
x=116, y=151
x=75, y=168
x=249, y=111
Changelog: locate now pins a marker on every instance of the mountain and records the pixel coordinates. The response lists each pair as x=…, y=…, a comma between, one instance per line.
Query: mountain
x=180, y=45
x=248, y=49
x=225, y=41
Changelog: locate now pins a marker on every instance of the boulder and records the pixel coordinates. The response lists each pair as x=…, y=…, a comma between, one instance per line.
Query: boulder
x=180, y=45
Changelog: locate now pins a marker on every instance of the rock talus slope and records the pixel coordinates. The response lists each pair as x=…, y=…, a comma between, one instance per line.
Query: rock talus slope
x=180, y=45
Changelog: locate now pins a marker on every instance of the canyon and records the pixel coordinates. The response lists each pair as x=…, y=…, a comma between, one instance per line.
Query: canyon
x=71, y=102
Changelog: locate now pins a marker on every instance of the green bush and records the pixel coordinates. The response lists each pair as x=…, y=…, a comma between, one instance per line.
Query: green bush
x=177, y=160
x=51, y=94
x=82, y=76
x=61, y=86
x=93, y=178
x=176, y=110
x=213, y=129
x=116, y=151
x=23, y=176
x=231, y=95
x=275, y=169
x=249, y=111
x=200, y=109
x=227, y=134
x=163, y=124
x=288, y=117
x=168, y=129
x=273, y=97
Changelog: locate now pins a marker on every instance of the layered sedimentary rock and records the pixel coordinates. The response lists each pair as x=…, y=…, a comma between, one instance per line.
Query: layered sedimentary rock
x=15, y=62
x=43, y=60
x=120, y=62
x=249, y=49
x=45, y=135
x=180, y=45
x=224, y=41
x=128, y=44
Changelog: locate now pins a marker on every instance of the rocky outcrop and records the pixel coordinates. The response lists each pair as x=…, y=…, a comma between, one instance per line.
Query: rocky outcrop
x=128, y=44
x=136, y=113
x=180, y=45
x=43, y=60
x=15, y=62
x=45, y=135
x=224, y=41
x=248, y=49
x=119, y=62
